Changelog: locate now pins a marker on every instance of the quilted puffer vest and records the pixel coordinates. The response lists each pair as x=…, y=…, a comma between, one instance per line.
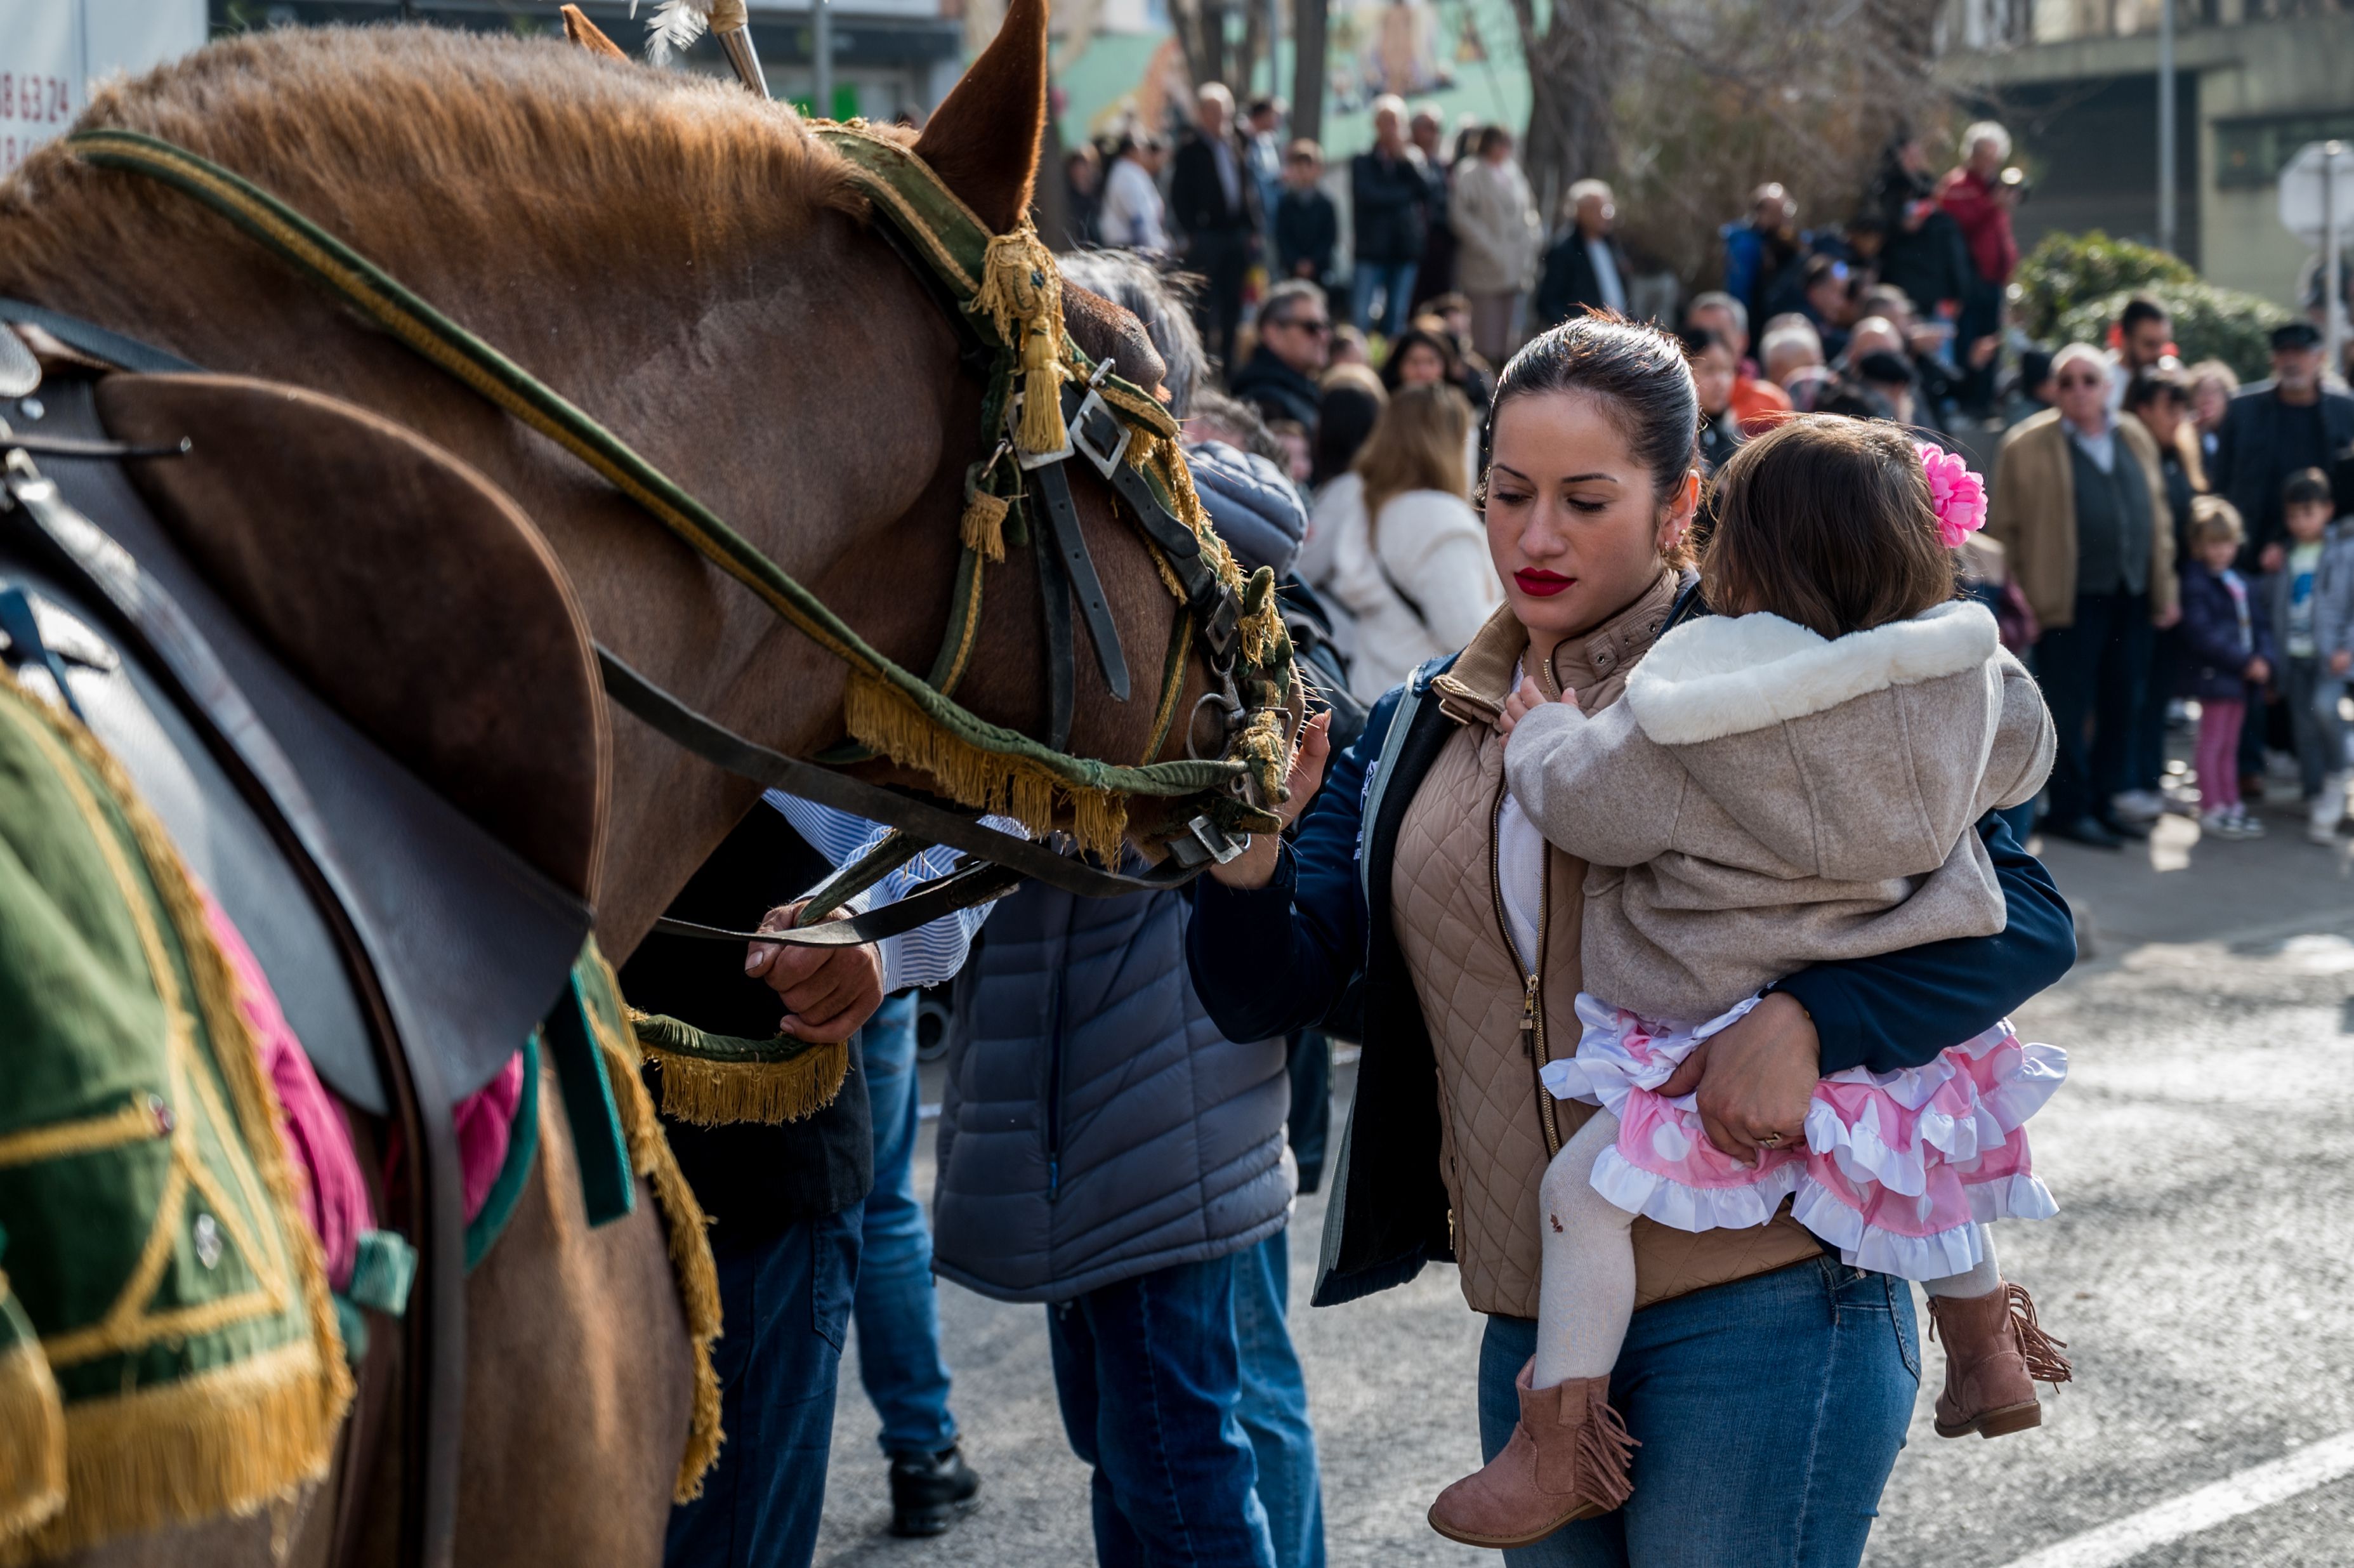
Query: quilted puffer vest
x=1499, y=1128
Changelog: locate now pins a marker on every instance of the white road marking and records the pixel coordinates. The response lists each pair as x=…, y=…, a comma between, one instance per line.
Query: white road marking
x=2315, y=1465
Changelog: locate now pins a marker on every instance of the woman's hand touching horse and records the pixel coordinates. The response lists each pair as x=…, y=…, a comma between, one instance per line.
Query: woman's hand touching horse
x=1255, y=867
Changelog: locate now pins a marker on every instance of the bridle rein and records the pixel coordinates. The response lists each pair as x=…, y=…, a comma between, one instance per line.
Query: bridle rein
x=1000, y=294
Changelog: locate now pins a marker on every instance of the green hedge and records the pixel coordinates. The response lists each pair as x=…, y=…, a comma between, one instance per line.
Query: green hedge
x=2067, y=270
x=2208, y=323
x=2071, y=287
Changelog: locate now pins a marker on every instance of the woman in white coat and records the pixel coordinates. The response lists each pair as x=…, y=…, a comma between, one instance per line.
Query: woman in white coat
x=1497, y=238
x=1410, y=559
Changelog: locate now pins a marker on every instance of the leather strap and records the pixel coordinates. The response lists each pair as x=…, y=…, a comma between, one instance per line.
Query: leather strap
x=1080, y=573
x=95, y=340
x=1055, y=609
x=937, y=824
x=978, y=881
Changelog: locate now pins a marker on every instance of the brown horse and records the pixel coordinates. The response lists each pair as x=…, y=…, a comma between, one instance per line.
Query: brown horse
x=691, y=267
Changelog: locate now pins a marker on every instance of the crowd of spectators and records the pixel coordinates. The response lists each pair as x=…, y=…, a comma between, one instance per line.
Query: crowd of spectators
x=1430, y=262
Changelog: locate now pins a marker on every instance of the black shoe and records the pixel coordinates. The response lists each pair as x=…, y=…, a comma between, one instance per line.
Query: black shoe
x=2088, y=831
x=2125, y=829
x=930, y=1491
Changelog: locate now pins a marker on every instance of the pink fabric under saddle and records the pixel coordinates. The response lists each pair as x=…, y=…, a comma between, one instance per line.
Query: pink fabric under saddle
x=319, y=1140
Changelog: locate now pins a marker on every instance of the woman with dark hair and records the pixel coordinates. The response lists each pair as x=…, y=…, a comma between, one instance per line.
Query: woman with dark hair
x=1416, y=907
x=1420, y=358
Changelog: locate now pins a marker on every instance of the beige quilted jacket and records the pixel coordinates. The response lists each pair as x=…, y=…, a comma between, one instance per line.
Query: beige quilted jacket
x=1765, y=799
x=1499, y=1128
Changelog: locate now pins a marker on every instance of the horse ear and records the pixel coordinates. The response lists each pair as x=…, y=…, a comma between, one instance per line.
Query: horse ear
x=982, y=140
x=589, y=36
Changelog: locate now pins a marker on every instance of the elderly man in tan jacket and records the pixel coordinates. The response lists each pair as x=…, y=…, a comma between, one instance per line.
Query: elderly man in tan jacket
x=2080, y=508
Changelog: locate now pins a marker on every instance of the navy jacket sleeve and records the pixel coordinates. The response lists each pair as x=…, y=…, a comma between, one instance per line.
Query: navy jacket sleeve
x=1900, y=1009
x=1276, y=959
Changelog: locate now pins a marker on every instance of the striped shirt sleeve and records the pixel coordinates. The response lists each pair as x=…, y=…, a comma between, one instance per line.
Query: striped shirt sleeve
x=928, y=955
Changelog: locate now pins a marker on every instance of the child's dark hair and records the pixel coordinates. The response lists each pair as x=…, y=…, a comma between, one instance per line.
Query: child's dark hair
x=1826, y=521
x=2306, y=487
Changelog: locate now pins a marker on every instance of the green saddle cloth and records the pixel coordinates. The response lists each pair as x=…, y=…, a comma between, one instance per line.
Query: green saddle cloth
x=157, y=1252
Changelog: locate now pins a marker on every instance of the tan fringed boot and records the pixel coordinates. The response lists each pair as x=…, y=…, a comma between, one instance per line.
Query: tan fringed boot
x=1567, y=1460
x=1995, y=1353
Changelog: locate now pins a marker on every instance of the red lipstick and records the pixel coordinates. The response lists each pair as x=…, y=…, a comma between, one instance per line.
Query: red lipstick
x=1538, y=583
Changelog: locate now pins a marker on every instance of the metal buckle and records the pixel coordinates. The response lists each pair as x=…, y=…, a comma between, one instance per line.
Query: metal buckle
x=1203, y=843
x=1094, y=413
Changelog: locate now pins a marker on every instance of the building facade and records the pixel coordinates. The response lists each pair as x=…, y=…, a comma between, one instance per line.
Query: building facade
x=2076, y=80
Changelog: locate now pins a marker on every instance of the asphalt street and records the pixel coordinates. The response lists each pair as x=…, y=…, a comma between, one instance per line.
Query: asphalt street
x=2201, y=1270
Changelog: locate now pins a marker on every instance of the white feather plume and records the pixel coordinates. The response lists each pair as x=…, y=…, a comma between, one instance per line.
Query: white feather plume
x=674, y=25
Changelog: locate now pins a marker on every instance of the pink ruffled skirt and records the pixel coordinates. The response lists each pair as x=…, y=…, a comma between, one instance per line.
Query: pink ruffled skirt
x=1899, y=1169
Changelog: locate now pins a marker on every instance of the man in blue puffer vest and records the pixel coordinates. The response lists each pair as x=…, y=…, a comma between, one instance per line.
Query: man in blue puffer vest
x=1105, y=1150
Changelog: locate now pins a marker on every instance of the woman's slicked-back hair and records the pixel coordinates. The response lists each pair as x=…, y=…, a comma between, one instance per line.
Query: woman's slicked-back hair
x=1636, y=373
x=1828, y=522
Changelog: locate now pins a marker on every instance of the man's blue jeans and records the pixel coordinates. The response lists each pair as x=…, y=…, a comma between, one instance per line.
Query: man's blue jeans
x=898, y=1306
x=1149, y=1375
x=1275, y=1403
x=1390, y=282
x=785, y=1299
x=1770, y=1412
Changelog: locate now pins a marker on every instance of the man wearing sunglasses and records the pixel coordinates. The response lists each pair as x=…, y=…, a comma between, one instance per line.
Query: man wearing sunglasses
x=2079, y=507
x=1295, y=331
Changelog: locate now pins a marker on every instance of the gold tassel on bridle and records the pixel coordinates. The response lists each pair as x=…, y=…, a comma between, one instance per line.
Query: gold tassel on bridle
x=1022, y=291
x=983, y=529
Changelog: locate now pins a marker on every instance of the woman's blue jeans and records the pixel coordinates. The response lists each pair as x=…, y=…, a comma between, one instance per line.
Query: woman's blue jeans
x=899, y=1310
x=1770, y=1412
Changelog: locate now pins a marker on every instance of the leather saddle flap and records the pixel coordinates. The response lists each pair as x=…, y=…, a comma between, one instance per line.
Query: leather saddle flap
x=399, y=585
x=470, y=940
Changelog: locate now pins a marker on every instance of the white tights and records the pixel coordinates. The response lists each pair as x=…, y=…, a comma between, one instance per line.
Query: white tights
x=1587, y=1291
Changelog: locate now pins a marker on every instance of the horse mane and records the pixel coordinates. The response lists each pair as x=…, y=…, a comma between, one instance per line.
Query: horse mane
x=428, y=142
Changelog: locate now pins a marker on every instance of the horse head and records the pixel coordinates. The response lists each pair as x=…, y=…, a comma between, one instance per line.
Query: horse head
x=701, y=274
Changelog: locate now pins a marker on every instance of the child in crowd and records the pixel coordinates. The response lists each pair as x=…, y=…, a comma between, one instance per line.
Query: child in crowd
x=1715, y=367
x=2227, y=646
x=2311, y=607
x=1792, y=780
x=1307, y=224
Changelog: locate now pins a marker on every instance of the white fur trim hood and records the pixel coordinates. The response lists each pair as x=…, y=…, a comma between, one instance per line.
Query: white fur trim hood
x=1724, y=674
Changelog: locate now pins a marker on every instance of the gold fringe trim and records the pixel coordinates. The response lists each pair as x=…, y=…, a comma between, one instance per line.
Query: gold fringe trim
x=1022, y=294
x=1262, y=746
x=984, y=528
x=32, y=1440
x=690, y=1248
x=706, y=1092
x=1262, y=619
x=230, y=1440
x=884, y=718
x=223, y=1442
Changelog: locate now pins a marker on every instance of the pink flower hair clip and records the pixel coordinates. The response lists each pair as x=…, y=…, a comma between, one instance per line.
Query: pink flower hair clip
x=1957, y=494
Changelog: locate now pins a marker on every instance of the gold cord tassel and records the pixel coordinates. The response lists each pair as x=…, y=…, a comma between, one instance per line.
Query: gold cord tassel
x=983, y=529
x=1022, y=291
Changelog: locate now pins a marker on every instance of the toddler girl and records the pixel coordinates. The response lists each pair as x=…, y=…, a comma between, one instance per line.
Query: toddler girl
x=2229, y=639
x=1792, y=780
